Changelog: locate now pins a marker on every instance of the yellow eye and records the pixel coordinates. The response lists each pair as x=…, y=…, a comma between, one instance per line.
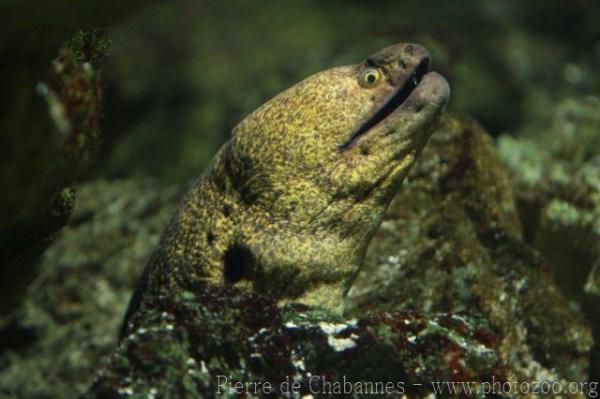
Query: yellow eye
x=369, y=77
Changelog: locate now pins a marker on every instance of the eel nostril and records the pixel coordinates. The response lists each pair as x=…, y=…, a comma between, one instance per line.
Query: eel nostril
x=409, y=49
x=402, y=64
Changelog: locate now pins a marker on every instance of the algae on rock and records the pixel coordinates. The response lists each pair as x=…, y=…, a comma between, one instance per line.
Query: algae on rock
x=203, y=343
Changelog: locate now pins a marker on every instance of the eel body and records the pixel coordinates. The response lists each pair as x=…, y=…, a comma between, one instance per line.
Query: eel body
x=289, y=204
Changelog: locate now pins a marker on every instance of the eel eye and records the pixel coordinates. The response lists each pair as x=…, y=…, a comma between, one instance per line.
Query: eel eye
x=370, y=77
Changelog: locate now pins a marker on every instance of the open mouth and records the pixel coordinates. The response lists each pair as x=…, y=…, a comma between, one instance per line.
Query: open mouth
x=393, y=102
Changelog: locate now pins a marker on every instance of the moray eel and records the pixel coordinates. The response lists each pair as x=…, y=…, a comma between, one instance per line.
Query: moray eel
x=289, y=204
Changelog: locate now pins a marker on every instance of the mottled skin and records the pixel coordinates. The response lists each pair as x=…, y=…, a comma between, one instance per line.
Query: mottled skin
x=285, y=208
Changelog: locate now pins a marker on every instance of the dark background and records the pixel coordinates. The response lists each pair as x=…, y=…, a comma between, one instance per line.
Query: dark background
x=181, y=74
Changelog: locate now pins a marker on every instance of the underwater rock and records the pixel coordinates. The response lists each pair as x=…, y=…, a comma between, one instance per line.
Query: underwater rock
x=556, y=173
x=51, y=346
x=451, y=241
x=198, y=344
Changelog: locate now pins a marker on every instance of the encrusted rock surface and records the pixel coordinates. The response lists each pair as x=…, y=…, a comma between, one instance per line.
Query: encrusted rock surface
x=556, y=172
x=52, y=344
x=202, y=343
x=452, y=242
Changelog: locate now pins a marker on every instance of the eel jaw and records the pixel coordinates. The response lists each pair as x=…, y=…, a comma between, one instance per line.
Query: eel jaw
x=394, y=101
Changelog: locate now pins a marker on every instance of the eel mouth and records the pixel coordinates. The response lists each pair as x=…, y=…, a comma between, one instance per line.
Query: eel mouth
x=393, y=102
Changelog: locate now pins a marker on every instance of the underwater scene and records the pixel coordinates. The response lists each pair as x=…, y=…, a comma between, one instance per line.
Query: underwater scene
x=300, y=199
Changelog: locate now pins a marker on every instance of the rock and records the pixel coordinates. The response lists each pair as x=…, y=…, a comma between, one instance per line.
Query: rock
x=556, y=171
x=220, y=340
x=452, y=241
x=52, y=344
